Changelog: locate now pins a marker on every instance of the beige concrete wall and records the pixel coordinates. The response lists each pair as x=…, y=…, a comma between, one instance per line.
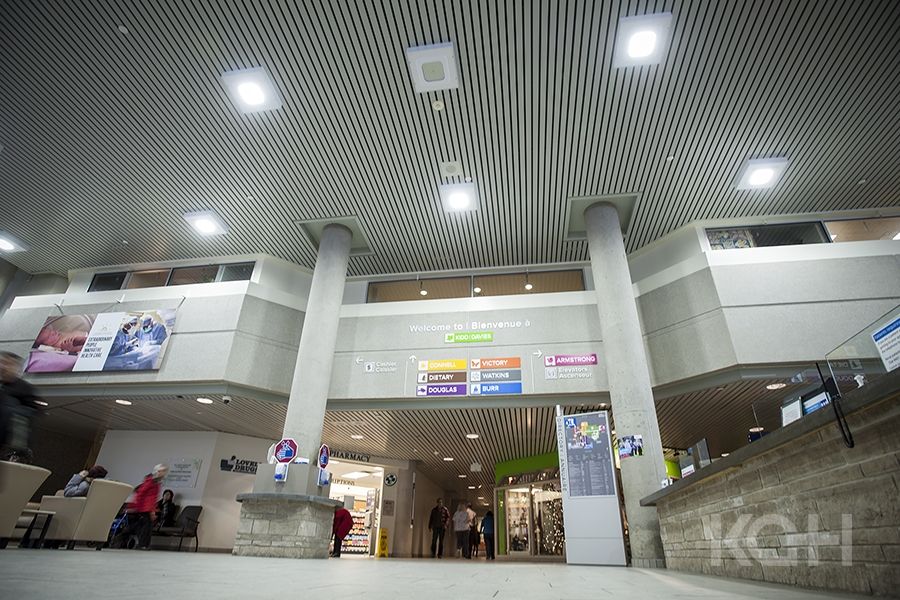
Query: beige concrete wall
x=811, y=513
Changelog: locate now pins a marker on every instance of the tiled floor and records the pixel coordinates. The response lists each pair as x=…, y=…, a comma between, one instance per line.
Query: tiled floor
x=173, y=576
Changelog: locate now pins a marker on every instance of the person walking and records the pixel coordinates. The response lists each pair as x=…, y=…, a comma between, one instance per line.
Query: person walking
x=461, y=528
x=142, y=509
x=438, y=522
x=474, y=538
x=343, y=523
x=487, y=530
x=18, y=404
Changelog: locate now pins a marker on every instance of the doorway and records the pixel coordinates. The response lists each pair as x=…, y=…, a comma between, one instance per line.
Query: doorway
x=359, y=487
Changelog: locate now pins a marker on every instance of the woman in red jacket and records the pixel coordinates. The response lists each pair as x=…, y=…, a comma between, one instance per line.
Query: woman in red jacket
x=343, y=523
x=142, y=508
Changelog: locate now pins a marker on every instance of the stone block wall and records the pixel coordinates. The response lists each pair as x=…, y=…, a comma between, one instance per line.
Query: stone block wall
x=283, y=529
x=811, y=512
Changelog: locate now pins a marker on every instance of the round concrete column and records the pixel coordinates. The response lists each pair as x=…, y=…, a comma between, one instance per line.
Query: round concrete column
x=629, y=379
x=312, y=375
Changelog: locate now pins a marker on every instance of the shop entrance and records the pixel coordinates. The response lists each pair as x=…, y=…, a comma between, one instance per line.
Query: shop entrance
x=359, y=487
x=530, y=506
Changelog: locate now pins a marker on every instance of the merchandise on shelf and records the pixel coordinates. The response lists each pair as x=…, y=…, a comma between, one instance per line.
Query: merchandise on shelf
x=357, y=541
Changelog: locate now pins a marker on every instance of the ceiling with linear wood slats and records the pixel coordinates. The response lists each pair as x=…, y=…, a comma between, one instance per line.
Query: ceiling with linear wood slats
x=110, y=135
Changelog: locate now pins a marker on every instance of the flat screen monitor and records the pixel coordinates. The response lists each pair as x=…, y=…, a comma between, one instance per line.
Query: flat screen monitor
x=815, y=402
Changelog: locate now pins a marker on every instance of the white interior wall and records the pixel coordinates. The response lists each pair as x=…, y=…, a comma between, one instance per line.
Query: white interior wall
x=221, y=512
x=130, y=455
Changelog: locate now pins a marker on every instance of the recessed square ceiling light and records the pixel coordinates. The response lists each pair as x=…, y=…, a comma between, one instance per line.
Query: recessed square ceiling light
x=642, y=39
x=759, y=173
x=354, y=475
x=9, y=243
x=432, y=67
x=251, y=90
x=206, y=223
x=459, y=197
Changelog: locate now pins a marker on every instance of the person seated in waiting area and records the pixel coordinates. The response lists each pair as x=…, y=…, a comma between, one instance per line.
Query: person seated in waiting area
x=165, y=510
x=80, y=483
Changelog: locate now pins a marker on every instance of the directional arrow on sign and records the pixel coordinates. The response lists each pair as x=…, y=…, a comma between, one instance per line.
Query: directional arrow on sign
x=359, y=360
x=412, y=358
x=538, y=353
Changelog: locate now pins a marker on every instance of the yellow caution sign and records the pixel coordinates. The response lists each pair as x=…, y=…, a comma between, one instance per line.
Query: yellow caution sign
x=382, y=547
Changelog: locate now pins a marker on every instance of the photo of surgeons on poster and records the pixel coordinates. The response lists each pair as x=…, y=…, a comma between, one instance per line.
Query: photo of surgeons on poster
x=120, y=341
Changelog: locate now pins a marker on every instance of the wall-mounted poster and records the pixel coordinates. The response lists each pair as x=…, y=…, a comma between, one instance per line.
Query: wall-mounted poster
x=183, y=472
x=631, y=445
x=119, y=341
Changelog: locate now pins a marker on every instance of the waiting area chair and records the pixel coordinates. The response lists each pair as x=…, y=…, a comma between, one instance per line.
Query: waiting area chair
x=86, y=519
x=186, y=526
x=18, y=483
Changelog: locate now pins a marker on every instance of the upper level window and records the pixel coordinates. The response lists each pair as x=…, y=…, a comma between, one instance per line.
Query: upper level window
x=104, y=282
x=857, y=230
x=422, y=289
x=501, y=284
x=237, y=272
x=759, y=236
x=541, y=282
x=145, y=279
x=188, y=275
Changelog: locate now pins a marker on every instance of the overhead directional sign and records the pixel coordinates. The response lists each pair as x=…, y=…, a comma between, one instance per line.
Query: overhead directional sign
x=495, y=376
x=451, y=389
x=496, y=389
x=508, y=375
x=446, y=377
x=450, y=364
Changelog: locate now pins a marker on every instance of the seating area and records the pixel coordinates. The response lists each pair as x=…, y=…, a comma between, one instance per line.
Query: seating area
x=186, y=525
x=58, y=521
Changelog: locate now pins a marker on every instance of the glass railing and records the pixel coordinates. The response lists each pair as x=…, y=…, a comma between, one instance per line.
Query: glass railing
x=868, y=355
x=750, y=409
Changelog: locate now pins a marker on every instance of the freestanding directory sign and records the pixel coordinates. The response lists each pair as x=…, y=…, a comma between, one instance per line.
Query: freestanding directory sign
x=591, y=514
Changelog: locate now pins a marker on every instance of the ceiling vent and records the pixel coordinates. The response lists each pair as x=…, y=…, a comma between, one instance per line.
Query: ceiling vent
x=451, y=168
x=433, y=67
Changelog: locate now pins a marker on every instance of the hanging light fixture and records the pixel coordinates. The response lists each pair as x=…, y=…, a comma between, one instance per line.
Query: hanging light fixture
x=528, y=285
x=422, y=290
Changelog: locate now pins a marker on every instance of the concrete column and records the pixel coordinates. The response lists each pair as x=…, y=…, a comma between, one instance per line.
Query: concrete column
x=629, y=379
x=292, y=518
x=312, y=375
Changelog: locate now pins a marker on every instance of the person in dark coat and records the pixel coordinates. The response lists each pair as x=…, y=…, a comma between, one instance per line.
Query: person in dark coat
x=474, y=538
x=165, y=510
x=487, y=529
x=438, y=522
x=343, y=523
x=19, y=402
